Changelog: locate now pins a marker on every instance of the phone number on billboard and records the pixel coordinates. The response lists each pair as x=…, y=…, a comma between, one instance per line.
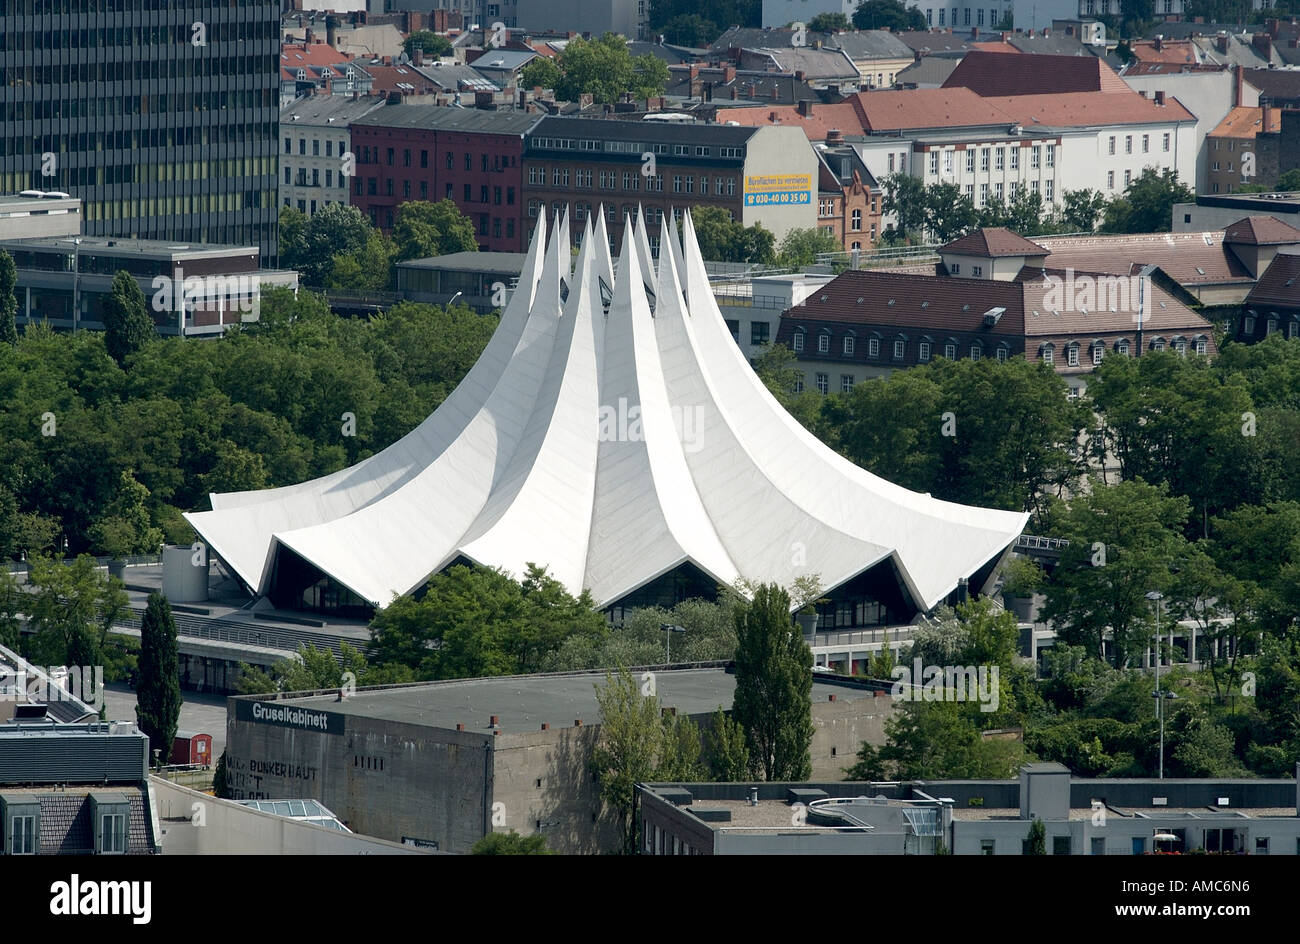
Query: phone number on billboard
x=763, y=199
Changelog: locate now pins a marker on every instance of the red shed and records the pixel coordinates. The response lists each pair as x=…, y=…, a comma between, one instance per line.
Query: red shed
x=192, y=748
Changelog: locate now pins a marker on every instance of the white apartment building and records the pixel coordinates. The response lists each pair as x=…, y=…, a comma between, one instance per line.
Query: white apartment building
x=315, y=149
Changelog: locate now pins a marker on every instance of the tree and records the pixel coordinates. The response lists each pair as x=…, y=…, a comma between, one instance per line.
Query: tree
x=127, y=325
x=727, y=750
x=887, y=14
x=637, y=744
x=428, y=41
x=12, y=604
x=905, y=197
x=8, y=299
x=1080, y=210
x=1123, y=540
x=368, y=269
x=125, y=528
x=510, y=843
x=72, y=611
x=829, y=23
x=605, y=69
x=425, y=229
x=333, y=230
x=723, y=239
x=773, y=700
x=690, y=30
x=1147, y=204
x=541, y=72
x=158, y=693
x=1135, y=16
x=949, y=213
x=801, y=247
x=221, y=779
x=1036, y=841
x=1290, y=181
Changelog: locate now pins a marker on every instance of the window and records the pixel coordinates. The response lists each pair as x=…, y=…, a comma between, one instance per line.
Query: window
x=796, y=342
x=1000, y=159
x=857, y=220
x=1110, y=180
x=1047, y=353
x=469, y=161
x=997, y=191
x=956, y=268
x=759, y=332
x=987, y=846
x=1146, y=143
x=950, y=350
x=984, y=158
x=1261, y=845
x=900, y=348
x=1180, y=346
x=1015, y=158
x=849, y=344
x=934, y=162
x=823, y=383
x=288, y=149
x=424, y=158
x=1072, y=355
x=977, y=270
x=1165, y=147
x=1128, y=178
x=496, y=196
x=1035, y=157
x=1002, y=354
x=873, y=347
x=1201, y=347
x=1098, y=352
x=536, y=176
x=1112, y=144
x=976, y=352
x=302, y=145
x=1121, y=347
x=846, y=383
x=1128, y=144
x=947, y=162
x=923, y=351
x=798, y=384
x=21, y=837
x=891, y=158
x=984, y=194
x=1051, y=155
x=1060, y=845
x=1049, y=190
x=406, y=189
x=970, y=160
x=451, y=161
x=112, y=834
x=469, y=193
x=1158, y=344
x=823, y=343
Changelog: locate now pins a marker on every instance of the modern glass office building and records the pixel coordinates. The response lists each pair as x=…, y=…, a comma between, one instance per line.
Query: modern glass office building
x=161, y=115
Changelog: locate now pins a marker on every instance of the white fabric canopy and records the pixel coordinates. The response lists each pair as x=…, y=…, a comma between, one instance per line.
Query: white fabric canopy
x=611, y=431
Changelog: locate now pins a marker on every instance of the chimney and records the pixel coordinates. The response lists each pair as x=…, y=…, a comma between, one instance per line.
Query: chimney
x=1267, y=122
x=419, y=55
x=331, y=30
x=834, y=136
x=832, y=698
x=495, y=722
x=695, y=70
x=577, y=722
x=1237, y=85
x=805, y=108
x=1047, y=31
x=800, y=75
x=776, y=93
x=310, y=36
x=546, y=726
x=1221, y=43
x=728, y=73
x=460, y=727
x=1263, y=44
x=1158, y=43
x=1005, y=36
x=734, y=93
x=1160, y=97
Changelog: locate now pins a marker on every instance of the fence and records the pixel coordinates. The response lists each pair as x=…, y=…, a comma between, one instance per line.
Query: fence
x=136, y=560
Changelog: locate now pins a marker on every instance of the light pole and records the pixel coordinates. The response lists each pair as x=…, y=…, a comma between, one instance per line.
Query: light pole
x=1157, y=596
x=76, y=282
x=669, y=628
x=453, y=299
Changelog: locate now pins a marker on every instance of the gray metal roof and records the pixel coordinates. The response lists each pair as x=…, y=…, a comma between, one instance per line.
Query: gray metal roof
x=524, y=703
x=648, y=131
x=870, y=44
x=449, y=118
x=507, y=60
x=320, y=109
x=100, y=753
x=494, y=262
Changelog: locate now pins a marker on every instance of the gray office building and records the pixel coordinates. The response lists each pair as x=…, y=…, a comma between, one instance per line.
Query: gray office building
x=160, y=115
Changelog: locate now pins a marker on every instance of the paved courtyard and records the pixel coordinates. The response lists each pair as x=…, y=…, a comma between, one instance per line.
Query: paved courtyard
x=205, y=714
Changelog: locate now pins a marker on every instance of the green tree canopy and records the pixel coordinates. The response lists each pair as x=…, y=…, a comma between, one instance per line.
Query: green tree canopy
x=723, y=239
x=829, y=23
x=690, y=30
x=158, y=693
x=8, y=298
x=1148, y=202
x=887, y=14
x=127, y=325
x=432, y=229
x=430, y=42
x=773, y=700
x=800, y=247
x=605, y=69
x=510, y=843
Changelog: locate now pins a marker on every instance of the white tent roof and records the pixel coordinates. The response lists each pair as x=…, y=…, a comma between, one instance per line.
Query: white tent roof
x=610, y=443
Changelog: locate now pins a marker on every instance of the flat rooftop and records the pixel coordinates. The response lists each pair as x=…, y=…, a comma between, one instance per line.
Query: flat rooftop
x=523, y=703
x=504, y=262
x=115, y=246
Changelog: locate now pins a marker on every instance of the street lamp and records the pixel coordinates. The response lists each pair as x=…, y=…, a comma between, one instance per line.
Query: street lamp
x=1160, y=697
x=669, y=628
x=76, y=281
x=453, y=299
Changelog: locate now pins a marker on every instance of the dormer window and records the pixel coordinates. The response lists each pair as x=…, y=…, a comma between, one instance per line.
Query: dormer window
x=1047, y=353
x=796, y=342
x=823, y=343
x=1072, y=355
x=848, y=345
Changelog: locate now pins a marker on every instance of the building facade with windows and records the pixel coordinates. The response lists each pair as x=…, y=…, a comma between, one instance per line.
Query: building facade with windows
x=160, y=138
x=758, y=175
x=472, y=157
x=316, y=158
x=849, y=198
x=994, y=295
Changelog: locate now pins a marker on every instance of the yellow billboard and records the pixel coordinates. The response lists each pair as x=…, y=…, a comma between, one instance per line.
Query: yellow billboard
x=777, y=189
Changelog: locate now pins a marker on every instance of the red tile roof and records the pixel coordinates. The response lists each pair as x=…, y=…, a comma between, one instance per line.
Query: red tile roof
x=1005, y=73
x=992, y=242
x=1280, y=283
x=1082, y=109
x=293, y=55
x=1261, y=231
x=940, y=304
x=841, y=116
x=1187, y=258
x=1246, y=122
x=925, y=108
x=1176, y=51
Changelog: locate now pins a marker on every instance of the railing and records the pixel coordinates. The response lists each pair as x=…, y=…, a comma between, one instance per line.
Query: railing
x=861, y=636
x=223, y=630
x=134, y=560
x=1033, y=542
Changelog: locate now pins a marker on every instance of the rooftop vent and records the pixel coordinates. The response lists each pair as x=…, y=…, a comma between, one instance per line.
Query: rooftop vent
x=993, y=315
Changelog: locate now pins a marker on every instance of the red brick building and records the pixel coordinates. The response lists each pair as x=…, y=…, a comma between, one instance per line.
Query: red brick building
x=848, y=199
x=423, y=152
